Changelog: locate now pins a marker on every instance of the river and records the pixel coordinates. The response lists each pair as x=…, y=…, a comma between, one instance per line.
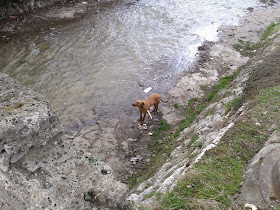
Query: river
x=95, y=68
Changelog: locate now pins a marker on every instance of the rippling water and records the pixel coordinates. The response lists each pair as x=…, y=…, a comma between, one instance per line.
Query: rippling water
x=96, y=67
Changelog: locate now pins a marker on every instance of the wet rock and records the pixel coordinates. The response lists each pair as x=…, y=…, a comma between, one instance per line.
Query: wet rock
x=131, y=140
x=10, y=11
x=124, y=145
x=81, y=142
x=17, y=8
x=31, y=5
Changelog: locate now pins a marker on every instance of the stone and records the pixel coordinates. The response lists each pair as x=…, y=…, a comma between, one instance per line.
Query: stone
x=17, y=8
x=124, y=145
x=81, y=142
x=10, y=11
x=42, y=169
x=131, y=140
x=31, y=5
x=27, y=120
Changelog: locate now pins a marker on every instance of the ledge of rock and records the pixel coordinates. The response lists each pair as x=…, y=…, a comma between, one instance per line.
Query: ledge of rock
x=13, y=8
x=26, y=120
x=40, y=168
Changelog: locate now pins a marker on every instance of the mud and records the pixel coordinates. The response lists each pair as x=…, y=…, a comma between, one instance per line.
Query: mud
x=117, y=143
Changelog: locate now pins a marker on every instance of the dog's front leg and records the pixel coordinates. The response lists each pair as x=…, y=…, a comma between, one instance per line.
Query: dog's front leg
x=142, y=122
x=140, y=115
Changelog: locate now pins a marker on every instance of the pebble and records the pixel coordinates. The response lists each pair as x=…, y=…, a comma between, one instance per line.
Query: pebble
x=131, y=139
x=134, y=160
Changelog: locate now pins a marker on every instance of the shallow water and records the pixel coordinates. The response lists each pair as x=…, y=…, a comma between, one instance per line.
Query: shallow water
x=93, y=69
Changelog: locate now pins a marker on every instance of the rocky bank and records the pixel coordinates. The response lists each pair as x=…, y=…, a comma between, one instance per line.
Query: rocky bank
x=40, y=168
x=44, y=168
x=261, y=180
x=12, y=8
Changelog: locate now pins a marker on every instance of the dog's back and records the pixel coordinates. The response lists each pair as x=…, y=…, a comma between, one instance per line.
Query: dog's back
x=153, y=99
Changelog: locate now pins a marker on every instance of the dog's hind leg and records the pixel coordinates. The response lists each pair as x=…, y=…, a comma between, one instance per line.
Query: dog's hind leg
x=156, y=108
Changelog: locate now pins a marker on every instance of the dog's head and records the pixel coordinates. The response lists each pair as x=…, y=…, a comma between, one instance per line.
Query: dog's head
x=138, y=103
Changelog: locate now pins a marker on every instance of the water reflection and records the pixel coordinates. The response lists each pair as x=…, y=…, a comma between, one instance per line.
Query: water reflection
x=95, y=68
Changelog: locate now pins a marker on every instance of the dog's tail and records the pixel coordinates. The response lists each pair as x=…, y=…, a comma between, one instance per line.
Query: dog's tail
x=163, y=100
x=251, y=206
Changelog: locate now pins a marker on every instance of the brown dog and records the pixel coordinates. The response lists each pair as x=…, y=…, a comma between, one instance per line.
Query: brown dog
x=144, y=105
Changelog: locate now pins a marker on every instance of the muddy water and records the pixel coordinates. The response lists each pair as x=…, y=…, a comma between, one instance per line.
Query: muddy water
x=94, y=68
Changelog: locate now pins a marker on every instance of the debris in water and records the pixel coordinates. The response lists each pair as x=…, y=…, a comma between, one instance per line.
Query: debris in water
x=144, y=126
x=147, y=89
x=134, y=160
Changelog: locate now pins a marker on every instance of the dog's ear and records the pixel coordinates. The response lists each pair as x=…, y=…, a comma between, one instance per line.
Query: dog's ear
x=143, y=104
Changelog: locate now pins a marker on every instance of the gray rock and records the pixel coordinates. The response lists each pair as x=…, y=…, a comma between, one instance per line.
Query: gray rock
x=10, y=11
x=31, y=5
x=26, y=120
x=17, y=8
x=41, y=169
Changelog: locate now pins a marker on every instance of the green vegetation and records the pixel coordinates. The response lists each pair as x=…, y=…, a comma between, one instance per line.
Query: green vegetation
x=196, y=106
x=87, y=197
x=246, y=48
x=193, y=139
x=132, y=182
x=161, y=145
x=217, y=177
x=234, y=104
x=191, y=113
x=92, y=161
x=163, y=142
x=209, y=112
x=176, y=106
x=164, y=126
x=270, y=29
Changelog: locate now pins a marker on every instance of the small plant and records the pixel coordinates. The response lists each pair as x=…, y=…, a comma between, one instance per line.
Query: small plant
x=176, y=106
x=80, y=156
x=198, y=144
x=132, y=182
x=224, y=82
x=149, y=195
x=164, y=126
x=209, y=112
x=92, y=161
x=87, y=197
x=246, y=48
x=235, y=104
x=193, y=139
x=167, y=175
x=270, y=29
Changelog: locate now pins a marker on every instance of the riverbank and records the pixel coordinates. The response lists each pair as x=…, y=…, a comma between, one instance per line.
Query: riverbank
x=224, y=129
x=120, y=151
x=44, y=15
